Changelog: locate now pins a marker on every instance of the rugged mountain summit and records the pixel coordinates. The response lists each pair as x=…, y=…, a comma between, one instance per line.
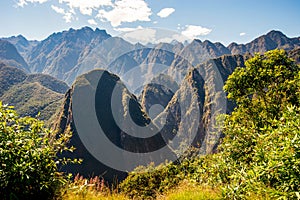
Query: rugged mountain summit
x=10, y=56
x=181, y=118
x=10, y=76
x=157, y=93
x=60, y=52
x=197, y=51
x=270, y=41
x=23, y=45
x=99, y=55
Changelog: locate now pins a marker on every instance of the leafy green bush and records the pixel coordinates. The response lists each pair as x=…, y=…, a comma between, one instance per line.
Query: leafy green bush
x=262, y=134
x=273, y=166
x=28, y=157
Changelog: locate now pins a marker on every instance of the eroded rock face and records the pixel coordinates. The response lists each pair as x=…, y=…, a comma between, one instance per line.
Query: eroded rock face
x=116, y=109
x=182, y=116
x=198, y=102
x=155, y=97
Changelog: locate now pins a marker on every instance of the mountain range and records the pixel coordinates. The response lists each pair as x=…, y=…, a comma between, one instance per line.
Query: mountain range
x=68, y=54
x=173, y=89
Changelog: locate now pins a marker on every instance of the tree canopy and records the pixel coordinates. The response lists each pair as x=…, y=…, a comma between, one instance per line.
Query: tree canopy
x=262, y=134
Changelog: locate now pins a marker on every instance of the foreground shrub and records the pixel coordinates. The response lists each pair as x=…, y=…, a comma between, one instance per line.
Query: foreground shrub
x=273, y=167
x=28, y=157
x=262, y=134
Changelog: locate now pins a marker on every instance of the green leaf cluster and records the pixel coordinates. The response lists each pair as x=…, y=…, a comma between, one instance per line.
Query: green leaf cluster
x=262, y=133
x=29, y=157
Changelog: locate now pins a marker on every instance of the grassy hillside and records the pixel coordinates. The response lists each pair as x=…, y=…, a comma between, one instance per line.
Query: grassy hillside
x=32, y=93
x=29, y=99
x=10, y=76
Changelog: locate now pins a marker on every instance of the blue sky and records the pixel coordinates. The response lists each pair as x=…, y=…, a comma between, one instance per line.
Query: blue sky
x=216, y=20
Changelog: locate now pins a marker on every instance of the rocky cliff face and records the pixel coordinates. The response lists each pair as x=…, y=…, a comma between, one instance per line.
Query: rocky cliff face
x=193, y=109
x=115, y=110
x=182, y=116
x=60, y=52
x=154, y=98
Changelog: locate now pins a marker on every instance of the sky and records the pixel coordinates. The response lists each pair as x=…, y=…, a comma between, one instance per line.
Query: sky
x=222, y=21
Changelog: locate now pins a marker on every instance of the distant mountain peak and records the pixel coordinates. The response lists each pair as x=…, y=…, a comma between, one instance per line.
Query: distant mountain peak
x=63, y=49
x=197, y=41
x=207, y=42
x=273, y=33
x=21, y=37
x=272, y=40
x=10, y=56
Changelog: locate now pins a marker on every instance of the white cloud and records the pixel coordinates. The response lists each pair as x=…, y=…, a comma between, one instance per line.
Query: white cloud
x=242, y=34
x=126, y=11
x=22, y=3
x=86, y=7
x=114, y=11
x=165, y=12
x=143, y=36
x=193, y=31
x=155, y=22
x=127, y=29
x=92, y=22
x=58, y=10
x=150, y=35
x=67, y=15
x=178, y=37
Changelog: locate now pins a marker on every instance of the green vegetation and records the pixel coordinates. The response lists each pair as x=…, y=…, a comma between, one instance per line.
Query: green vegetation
x=28, y=157
x=10, y=76
x=32, y=98
x=262, y=134
x=187, y=191
x=92, y=189
x=31, y=94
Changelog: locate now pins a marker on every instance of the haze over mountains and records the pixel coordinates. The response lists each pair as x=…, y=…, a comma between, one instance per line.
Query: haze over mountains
x=68, y=54
x=174, y=89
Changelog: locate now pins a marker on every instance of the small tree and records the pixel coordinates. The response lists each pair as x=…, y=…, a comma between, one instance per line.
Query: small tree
x=28, y=157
